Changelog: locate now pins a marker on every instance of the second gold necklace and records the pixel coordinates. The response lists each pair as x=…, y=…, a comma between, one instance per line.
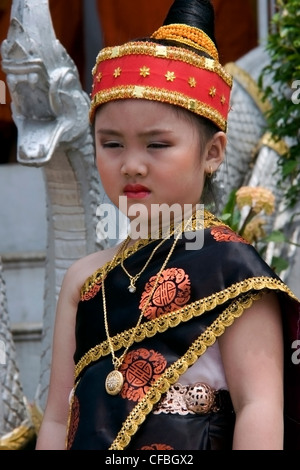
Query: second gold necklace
x=133, y=279
x=114, y=380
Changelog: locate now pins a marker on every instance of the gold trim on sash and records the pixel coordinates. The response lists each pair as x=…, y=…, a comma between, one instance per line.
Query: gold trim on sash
x=138, y=414
x=196, y=224
x=174, y=318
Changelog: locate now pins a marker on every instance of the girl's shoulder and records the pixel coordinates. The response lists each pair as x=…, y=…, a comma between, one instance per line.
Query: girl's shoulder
x=83, y=268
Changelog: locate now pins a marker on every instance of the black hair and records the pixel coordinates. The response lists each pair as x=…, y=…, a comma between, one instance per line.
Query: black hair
x=197, y=13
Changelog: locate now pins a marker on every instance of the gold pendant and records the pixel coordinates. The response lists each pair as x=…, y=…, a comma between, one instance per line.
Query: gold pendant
x=114, y=382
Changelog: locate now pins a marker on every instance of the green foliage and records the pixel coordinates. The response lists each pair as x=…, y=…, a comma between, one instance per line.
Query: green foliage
x=283, y=95
x=230, y=214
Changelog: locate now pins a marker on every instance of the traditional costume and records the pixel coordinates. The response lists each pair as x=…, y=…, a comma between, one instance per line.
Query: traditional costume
x=192, y=305
x=147, y=356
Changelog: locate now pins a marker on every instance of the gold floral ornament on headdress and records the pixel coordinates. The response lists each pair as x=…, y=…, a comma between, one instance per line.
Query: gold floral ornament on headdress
x=169, y=74
x=189, y=36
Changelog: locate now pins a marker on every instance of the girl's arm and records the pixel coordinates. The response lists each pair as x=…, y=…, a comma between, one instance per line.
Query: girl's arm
x=52, y=433
x=252, y=353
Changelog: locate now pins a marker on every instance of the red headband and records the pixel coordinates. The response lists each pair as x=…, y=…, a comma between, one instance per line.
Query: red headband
x=169, y=74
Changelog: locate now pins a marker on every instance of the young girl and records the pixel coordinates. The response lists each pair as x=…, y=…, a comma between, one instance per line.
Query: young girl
x=180, y=337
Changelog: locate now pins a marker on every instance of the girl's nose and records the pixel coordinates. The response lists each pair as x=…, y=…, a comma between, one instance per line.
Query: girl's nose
x=133, y=165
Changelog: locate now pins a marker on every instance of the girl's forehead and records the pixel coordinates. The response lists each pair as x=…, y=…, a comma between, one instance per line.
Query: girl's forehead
x=135, y=103
x=142, y=109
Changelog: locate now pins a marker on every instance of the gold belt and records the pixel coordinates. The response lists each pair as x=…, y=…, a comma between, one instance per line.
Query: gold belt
x=199, y=398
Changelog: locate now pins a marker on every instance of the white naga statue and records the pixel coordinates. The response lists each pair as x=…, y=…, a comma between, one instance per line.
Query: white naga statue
x=50, y=110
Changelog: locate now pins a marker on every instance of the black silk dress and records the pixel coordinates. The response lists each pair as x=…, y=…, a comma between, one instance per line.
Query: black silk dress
x=200, y=293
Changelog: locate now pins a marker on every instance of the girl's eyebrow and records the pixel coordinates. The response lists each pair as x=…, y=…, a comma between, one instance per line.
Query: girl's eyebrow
x=150, y=132
x=156, y=132
x=107, y=131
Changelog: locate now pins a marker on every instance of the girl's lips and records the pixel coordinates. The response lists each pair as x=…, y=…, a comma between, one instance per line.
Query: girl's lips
x=136, y=191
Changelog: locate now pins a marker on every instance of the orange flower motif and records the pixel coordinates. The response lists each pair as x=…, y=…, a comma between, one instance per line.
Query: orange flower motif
x=225, y=234
x=157, y=447
x=91, y=291
x=172, y=292
x=140, y=369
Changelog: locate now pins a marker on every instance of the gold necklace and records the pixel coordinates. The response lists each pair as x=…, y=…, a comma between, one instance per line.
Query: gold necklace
x=114, y=380
x=133, y=279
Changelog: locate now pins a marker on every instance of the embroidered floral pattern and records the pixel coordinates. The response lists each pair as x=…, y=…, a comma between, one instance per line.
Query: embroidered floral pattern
x=91, y=291
x=141, y=368
x=225, y=234
x=172, y=292
x=157, y=447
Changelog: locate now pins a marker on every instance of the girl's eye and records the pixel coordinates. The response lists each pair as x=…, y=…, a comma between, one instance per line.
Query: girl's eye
x=158, y=145
x=111, y=144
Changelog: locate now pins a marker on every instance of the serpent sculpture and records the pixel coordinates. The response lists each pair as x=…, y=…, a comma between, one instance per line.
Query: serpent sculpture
x=17, y=425
x=50, y=110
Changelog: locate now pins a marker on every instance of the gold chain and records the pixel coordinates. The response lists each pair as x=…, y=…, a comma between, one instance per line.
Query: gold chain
x=133, y=279
x=114, y=380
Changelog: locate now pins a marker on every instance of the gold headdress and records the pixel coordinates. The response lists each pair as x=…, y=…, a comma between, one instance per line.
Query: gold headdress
x=169, y=74
x=189, y=36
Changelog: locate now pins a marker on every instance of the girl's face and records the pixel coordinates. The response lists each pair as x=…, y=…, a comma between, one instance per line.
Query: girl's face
x=151, y=154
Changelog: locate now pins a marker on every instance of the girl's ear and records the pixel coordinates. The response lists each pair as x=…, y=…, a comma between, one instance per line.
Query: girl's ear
x=215, y=151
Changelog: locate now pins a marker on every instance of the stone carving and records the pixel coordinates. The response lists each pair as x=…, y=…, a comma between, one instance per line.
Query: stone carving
x=252, y=157
x=50, y=110
x=16, y=423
